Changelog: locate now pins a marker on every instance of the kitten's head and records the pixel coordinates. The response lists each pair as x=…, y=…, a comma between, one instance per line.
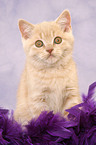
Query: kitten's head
x=49, y=43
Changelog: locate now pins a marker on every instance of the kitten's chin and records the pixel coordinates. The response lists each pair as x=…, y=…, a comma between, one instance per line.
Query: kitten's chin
x=51, y=59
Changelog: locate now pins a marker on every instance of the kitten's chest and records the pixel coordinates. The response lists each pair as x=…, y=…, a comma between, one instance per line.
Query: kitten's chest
x=48, y=87
x=46, y=82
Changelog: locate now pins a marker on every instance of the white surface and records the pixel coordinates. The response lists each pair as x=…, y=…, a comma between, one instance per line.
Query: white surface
x=12, y=57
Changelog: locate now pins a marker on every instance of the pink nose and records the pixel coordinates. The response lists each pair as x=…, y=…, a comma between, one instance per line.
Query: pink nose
x=49, y=50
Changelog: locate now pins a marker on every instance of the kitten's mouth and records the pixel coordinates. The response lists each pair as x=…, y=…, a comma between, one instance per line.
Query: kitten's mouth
x=50, y=56
x=51, y=59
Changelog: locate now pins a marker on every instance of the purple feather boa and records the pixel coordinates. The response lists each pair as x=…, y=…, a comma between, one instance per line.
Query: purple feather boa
x=52, y=129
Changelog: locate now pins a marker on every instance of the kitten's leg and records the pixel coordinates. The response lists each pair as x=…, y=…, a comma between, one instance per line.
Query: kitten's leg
x=21, y=113
x=72, y=99
x=37, y=104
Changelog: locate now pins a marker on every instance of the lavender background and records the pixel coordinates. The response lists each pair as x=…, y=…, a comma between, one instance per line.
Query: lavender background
x=12, y=57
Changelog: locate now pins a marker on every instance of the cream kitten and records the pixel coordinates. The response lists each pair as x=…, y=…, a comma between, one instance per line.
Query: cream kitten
x=49, y=81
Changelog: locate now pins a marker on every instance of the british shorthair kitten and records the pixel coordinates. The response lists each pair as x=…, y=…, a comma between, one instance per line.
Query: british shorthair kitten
x=49, y=80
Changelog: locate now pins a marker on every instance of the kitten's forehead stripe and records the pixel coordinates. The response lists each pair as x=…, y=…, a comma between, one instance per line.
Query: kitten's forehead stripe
x=47, y=30
x=52, y=33
x=41, y=35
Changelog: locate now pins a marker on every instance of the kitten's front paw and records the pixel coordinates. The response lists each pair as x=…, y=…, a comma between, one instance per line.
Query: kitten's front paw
x=66, y=114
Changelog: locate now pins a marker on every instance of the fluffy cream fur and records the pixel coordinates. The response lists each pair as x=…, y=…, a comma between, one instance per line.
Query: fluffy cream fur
x=48, y=82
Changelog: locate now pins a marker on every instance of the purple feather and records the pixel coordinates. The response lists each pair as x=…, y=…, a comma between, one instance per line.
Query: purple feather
x=48, y=128
x=10, y=130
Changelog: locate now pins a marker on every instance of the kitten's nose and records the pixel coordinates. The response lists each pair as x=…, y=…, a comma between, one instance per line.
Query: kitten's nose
x=49, y=50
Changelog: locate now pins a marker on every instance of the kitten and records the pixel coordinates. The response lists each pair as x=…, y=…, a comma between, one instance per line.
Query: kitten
x=49, y=80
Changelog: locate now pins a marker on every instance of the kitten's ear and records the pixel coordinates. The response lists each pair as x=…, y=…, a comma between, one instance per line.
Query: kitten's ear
x=25, y=28
x=64, y=21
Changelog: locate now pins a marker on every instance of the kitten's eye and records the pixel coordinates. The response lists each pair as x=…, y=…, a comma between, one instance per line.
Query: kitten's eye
x=57, y=40
x=38, y=43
